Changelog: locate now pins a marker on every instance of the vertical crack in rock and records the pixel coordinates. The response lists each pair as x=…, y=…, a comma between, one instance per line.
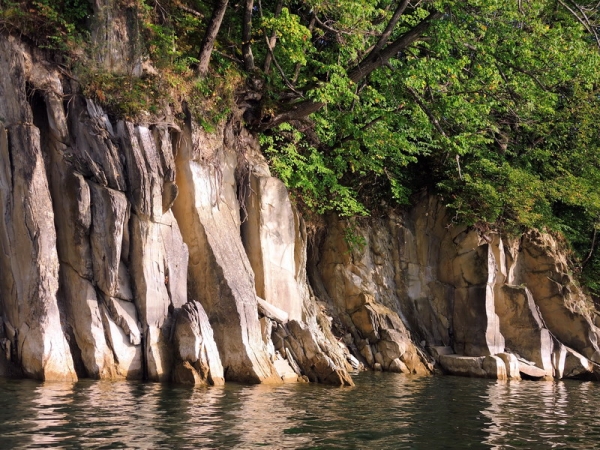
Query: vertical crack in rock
x=158, y=257
x=73, y=202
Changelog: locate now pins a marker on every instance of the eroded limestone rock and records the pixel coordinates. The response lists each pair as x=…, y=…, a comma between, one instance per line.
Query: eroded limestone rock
x=466, y=366
x=512, y=365
x=475, y=322
x=299, y=346
x=544, y=270
x=475, y=366
x=87, y=229
x=363, y=284
x=269, y=238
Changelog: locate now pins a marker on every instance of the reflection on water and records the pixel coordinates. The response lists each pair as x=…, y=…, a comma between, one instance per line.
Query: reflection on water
x=383, y=411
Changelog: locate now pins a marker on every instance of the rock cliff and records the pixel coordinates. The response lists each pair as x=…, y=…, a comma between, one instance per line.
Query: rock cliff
x=156, y=250
x=478, y=303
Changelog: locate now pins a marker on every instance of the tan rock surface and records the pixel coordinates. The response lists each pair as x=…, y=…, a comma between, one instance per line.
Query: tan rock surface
x=466, y=366
x=28, y=261
x=522, y=326
x=544, y=270
x=87, y=230
x=511, y=364
x=221, y=277
x=196, y=348
x=269, y=237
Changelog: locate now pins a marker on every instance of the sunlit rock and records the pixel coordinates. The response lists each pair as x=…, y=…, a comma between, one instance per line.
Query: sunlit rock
x=495, y=367
x=512, y=365
x=29, y=266
x=197, y=353
x=221, y=277
x=269, y=238
x=523, y=327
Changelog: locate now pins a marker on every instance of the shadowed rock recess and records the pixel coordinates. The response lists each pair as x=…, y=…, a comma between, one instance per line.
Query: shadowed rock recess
x=159, y=251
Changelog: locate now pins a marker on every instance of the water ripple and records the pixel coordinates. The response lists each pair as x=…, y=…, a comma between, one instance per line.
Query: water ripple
x=384, y=411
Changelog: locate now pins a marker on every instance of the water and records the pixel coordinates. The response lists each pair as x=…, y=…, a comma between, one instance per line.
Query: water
x=383, y=411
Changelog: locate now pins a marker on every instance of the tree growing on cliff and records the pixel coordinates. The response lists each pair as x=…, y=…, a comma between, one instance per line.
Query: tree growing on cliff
x=492, y=104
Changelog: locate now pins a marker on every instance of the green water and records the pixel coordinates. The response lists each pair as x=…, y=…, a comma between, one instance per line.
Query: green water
x=383, y=411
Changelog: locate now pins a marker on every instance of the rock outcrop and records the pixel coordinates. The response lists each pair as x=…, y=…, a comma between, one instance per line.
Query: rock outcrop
x=122, y=246
x=361, y=283
x=480, y=303
x=153, y=249
x=32, y=336
x=198, y=360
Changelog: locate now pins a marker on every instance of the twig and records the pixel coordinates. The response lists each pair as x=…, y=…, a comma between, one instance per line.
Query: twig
x=327, y=27
x=587, y=26
x=187, y=9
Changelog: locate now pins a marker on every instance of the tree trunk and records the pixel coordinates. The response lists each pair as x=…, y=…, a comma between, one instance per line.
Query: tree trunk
x=375, y=61
x=211, y=34
x=372, y=62
x=247, y=36
x=272, y=40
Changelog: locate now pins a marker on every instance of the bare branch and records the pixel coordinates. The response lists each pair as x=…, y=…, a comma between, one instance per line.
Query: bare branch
x=187, y=9
x=591, y=26
x=325, y=27
x=280, y=70
x=524, y=72
x=591, y=249
x=272, y=41
x=590, y=29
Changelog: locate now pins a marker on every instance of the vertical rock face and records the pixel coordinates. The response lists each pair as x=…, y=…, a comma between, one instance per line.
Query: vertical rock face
x=221, y=277
x=481, y=304
x=112, y=243
x=362, y=284
x=523, y=327
x=157, y=254
x=94, y=257
x=32, y=333
x=475, y=323
x=544, y=270
x=269, y=237
x=158, y=251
